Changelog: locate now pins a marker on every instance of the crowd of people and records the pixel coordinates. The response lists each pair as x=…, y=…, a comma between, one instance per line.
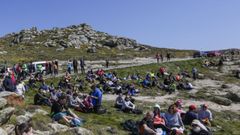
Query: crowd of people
x=173, y=121
x=67, y=95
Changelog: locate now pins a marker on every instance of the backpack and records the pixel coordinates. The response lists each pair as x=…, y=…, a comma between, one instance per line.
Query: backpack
x=137, y=111
x=131, y=126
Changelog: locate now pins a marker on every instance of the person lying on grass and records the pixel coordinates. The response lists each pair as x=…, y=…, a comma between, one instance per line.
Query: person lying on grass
x=60, y=111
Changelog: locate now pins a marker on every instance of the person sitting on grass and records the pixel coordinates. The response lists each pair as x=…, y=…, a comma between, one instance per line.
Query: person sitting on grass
x=205, y=115
x=40, y=98
x=127, y=105
x=74, y=101
x=67, y=77
x=188, y=86
x=86, y=105
x=44, y=86
x=54, y=96
x=179, y=105
x=20, y=88
x=60, y=111
x=174, y=120
x=32, y=81
x=190, y=115
x=146, y=126
x=197, y=128
x=119, y=101
x=159, y=121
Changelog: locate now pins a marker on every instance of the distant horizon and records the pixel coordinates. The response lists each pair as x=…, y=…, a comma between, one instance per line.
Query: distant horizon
x=189, y=25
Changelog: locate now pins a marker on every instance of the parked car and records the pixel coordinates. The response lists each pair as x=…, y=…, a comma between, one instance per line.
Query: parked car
x=199, y=54
x=40, y=66
x=214, y=54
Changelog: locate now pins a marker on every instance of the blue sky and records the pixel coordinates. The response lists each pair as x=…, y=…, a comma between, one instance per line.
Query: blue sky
x=182, y=24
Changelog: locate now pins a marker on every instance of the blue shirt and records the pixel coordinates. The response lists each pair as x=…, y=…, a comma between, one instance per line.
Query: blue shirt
x=97, y=93
x=189, y=117
x=173, y=120
x=44, y=87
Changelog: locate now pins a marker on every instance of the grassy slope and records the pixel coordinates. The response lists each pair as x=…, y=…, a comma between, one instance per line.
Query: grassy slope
x=27, y=53
x=226, y=122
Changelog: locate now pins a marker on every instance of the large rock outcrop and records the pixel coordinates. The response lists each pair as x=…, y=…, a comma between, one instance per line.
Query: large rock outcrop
x=73, y=36
x=6, y=114
x=12, y=98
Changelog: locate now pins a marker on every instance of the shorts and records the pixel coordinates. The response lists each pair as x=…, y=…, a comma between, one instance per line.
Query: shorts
x=59, y=116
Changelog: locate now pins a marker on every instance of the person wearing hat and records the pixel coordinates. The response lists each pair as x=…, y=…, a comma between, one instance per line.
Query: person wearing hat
x=191, y=115
x=197, y=128
x=205, y=115
x=159, y=121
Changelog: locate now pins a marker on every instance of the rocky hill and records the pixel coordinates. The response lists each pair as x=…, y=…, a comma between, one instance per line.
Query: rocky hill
x=74, y=42
x=73, y=36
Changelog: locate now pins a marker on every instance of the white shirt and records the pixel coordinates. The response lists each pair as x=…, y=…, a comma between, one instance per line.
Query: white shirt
x=20, y=89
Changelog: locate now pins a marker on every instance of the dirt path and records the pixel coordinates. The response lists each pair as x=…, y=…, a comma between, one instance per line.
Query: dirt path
x=167, y=99
x=99, y=64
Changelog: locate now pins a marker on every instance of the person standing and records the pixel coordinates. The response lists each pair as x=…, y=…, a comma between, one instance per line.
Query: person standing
x=82, y=65
x=55, y=68
x=168, y=56
x=75, y=66
x=69, y=66
x=107, y=63
x=161, y=56
x=194, y=73
x=157, y=57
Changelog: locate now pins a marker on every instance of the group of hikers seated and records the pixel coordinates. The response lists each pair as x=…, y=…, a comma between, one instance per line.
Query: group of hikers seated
x=126, y=104
x=65, y=96
x=175, y=120
x=61, y=100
